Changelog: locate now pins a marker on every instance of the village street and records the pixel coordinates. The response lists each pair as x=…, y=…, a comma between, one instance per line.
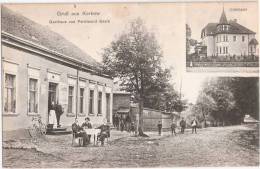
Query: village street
x=219, y=146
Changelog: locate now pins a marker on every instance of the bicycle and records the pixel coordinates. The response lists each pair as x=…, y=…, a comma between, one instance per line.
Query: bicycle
x=38, y=128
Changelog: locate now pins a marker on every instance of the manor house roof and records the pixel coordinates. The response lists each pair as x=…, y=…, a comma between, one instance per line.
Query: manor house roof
x=235, y=28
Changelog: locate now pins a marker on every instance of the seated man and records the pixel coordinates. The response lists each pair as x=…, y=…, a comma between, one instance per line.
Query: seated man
x=87, y=125
x=104, y=133
x=79, y=132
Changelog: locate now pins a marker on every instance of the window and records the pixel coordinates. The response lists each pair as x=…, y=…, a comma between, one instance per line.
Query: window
x=234, y=38
x=243, y=38
x=70, y=99
x=91, y=100
x=108, y=106
x=99, y=102
x=9, y=94
x=225, y=38
x=220, y=50
x=81, y=100
x=33, y=95
x=217, y=50
x=226, y=49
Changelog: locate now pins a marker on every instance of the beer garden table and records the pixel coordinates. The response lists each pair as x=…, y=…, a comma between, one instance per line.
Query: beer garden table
x=93, y=132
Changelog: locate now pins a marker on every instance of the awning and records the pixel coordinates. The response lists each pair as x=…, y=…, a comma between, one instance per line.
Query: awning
x=123, y=110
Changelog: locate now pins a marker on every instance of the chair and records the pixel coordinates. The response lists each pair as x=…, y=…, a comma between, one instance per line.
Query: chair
x=80, y=139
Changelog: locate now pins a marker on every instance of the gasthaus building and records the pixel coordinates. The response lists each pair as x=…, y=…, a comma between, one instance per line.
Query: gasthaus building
x=40, y=66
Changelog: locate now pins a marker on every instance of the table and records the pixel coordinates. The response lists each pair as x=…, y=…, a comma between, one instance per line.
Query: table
x=93, y=132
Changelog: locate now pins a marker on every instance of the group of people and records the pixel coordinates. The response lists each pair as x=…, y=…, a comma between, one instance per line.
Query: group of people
x=194, y=125
x=55, y=111
x=123, y=123
x=79, y=131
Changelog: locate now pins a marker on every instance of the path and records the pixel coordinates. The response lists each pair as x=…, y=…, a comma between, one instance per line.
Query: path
x=222, y=146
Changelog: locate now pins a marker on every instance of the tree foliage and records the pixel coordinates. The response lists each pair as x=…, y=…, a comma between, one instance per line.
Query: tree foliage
x=228, y=99
x=135, y=58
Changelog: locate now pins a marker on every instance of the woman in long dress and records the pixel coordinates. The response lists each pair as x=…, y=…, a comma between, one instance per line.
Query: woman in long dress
x=52, y=116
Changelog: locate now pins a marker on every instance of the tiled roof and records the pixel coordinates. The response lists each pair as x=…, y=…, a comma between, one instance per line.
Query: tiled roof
x=210, y=29
x=235, y=28
x=22, y=27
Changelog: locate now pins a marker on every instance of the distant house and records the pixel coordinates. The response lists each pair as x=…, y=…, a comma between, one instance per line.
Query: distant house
x=121, y=103
x=123, y=106
x=40, y=66
x=229, y=40
x=248, y=119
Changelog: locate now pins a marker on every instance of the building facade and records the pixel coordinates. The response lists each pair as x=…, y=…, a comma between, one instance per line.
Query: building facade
x=40, y=66
x=229, y=40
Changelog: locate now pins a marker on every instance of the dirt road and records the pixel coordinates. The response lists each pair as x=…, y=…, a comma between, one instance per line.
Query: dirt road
x=221, y=146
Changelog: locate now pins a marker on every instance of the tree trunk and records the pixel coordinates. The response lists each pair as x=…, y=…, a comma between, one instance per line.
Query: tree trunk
x=141, y=120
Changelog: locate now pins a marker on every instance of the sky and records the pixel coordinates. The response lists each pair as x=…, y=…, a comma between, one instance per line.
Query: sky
x=165, y=20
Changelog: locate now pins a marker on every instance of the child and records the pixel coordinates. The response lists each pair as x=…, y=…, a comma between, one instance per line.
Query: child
x=173, y=126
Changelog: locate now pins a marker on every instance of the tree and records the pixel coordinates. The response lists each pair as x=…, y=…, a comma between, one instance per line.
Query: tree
x=135, y=58
x=246, y=94
x=206, y=106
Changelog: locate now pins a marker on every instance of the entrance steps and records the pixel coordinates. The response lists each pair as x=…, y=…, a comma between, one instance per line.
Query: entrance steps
x=58, y=131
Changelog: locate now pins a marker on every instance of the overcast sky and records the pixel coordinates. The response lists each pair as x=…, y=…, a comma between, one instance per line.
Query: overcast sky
x=166, y=20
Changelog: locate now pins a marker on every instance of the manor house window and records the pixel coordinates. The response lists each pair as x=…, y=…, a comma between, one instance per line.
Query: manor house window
x=234, y=38
x=9, y=94
x=81, y=100
x=33, y=95
x=99, y=102
x=91, y=102
x=70, y=99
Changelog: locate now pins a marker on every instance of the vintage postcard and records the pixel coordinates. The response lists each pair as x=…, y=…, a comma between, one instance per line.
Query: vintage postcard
x=221, y=37
x=130, y=85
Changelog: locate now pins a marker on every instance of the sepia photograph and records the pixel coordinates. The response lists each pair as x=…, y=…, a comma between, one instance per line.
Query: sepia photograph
x=222, y=36
x=127, y=85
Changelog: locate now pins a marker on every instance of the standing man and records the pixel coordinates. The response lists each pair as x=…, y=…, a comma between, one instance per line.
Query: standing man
x=173, y=127
x=159, y=125
x=121, y=124
x=194, y=125
x=128, y=123
x=183, y=125
x=59, y=111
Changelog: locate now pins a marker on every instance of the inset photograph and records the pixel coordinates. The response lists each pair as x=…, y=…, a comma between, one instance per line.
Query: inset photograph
x=222, y=37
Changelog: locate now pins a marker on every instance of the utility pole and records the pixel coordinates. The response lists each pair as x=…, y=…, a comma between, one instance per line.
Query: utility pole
x=77, y=90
